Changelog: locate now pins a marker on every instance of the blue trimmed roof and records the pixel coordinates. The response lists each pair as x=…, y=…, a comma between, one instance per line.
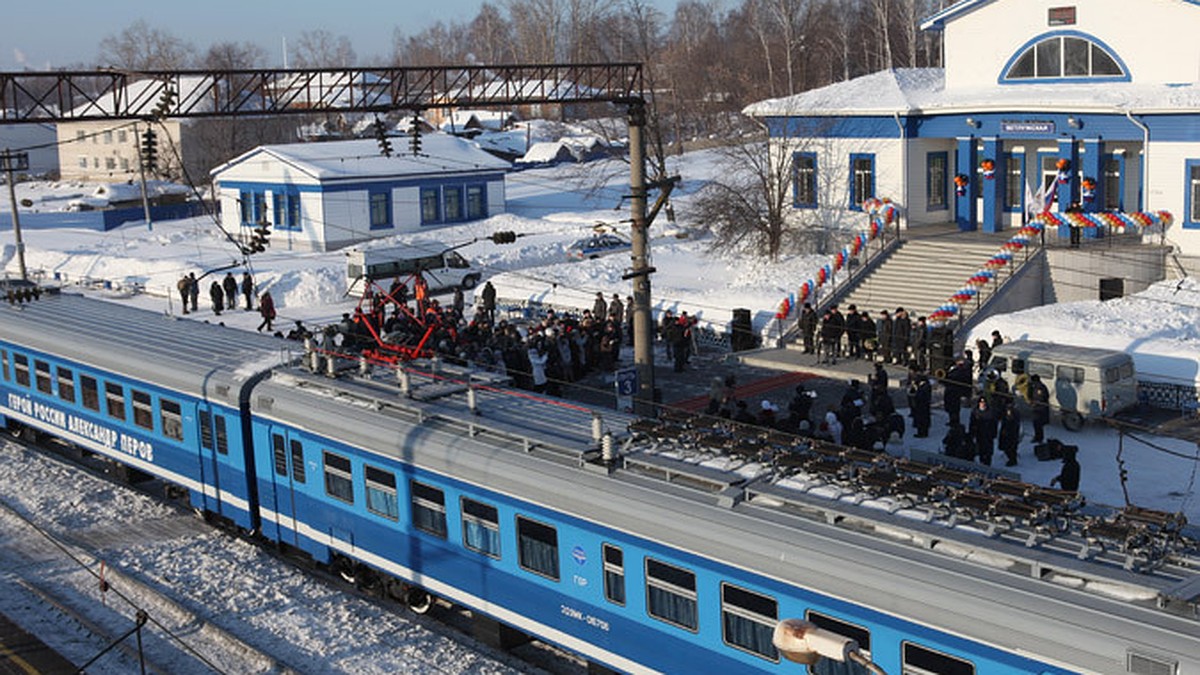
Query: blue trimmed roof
x=938, y=21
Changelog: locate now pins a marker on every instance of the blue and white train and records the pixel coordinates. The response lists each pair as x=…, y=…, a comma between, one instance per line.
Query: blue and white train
x=644, y=546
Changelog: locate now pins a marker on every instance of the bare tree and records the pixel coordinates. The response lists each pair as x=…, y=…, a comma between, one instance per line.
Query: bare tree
x=143, y=47
x=537, y=29
x=234, y=56
x=491, y=36
x=322, y=49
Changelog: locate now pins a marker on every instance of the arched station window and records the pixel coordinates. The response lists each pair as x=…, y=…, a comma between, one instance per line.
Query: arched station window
x=1063, y=56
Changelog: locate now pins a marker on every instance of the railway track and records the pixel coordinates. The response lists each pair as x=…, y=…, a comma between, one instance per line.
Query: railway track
x=268, y=614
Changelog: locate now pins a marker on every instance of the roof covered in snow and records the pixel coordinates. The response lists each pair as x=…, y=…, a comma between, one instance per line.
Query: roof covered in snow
x=334, y=160
x=922, y=91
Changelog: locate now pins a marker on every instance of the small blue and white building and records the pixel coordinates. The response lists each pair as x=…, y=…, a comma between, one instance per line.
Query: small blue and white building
x=324, y=196
x=1107, y=89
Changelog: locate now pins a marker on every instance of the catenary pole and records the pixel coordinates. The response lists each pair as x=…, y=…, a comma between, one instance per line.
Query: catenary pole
x=643, y=324
x=13, y=162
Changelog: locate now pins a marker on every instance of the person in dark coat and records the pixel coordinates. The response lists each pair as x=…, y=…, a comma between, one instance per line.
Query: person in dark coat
x=901, y=336
x=185, y=291
x=883, y=333
x=957, y=385
x=217, y=296
x=853, y=333
x=266, y=309
x=599, y=307
x=800, y=409
x=920, y=343
x=1068, y=478
x=194, y=290
x=985, y=354
x=983, y=430
x=742, y=414
x=955, y=442
x=830, y=335
x=870, y=342
x=920, y=395
x=1039, y=401
x=247, y=290
x=1010, y=432
x=808, y=327
x=487, y=303
x=230, y=286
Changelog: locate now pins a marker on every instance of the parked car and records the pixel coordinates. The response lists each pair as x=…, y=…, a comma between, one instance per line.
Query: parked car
x=596, y=246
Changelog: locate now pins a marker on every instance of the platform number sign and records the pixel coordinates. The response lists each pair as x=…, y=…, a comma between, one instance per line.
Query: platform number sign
x=627, y=385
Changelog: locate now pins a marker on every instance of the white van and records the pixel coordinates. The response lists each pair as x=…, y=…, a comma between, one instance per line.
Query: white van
x=1084, y=382
x=444, y=269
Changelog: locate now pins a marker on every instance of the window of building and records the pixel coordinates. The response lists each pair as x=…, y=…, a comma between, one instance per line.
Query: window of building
x=89, y=392
x=804, y=180
x=278, y=454
x=381, y=210
x=293, y=213
x=21, y=369
x=260, y=207
x=83, y=161
x=108, y=137
x=42, y=375
x=143, y=409
x=95, y=162
x=1014, y=185
x=1064, y=56
x=537, y=547
x=1114, y=184
x=110, y=163
x=671, y=594
x=428, y=508
x=125, y=164
x=122, y=136
x=481, y=527
x=748, y=621
x=919, y=660
x=857, y=633
x=66, y=384
x=222, y=436
x=170, y=415
x=338, y=480
x=114, y=396
x=1192, y=207
x=936, y=181
x=246, y=204
x=614, y=574
x=430, y=206
x=452, y=204
x=862, y=179
x=381, y=493
x=80, y=136
x=476, y=202
x=297, y=449
x=287, y=210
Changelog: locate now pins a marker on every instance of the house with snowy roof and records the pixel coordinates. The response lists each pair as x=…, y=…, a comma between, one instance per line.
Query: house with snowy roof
x=323, y=196
x=1080, y=99
x=109, y=150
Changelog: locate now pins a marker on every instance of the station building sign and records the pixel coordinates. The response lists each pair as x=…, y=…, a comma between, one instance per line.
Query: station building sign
x=1027, y=127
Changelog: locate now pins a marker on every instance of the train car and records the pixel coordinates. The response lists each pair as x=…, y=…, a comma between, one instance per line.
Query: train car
x=685, y=550
x=155, y=394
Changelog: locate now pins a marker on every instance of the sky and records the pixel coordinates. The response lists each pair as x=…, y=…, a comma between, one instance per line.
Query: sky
x=47, y=35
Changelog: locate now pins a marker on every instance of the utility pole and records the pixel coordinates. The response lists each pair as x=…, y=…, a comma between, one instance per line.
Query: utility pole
x=640, y=271
x=12, y=162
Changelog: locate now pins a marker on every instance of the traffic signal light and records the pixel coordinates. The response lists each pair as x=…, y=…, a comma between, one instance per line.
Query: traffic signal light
x=165, y=103
x=504, y=237
x=385, y=145
x=149, y=150
x=414, y=132
x=260, y=239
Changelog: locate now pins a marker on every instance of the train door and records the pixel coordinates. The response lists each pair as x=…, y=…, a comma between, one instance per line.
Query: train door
x=287, y=453
x=210, y=474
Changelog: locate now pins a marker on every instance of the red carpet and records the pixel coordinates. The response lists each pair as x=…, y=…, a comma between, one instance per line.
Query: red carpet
x=747, y=391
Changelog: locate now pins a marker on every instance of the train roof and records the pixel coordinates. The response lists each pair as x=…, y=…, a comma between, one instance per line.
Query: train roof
x=997, y=558
x=181, y=355
x=1060, y=353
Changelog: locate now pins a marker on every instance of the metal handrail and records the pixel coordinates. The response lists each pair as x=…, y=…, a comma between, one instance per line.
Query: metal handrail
x=1009, y=272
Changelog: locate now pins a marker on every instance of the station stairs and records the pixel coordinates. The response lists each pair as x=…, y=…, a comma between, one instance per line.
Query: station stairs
x=920, y=275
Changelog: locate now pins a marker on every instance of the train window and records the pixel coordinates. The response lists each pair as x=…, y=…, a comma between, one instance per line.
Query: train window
x=537, y=547
x=671, y=594
x=481, y=527
x=206, y=439
x=66, y=384
x=338, y=482
x=222, y=436
x=3, y=364
x=921, y=661
x=171, y=417
x=90, y=392
x=428, y=508
x=297, y=461
x=857, y=633
x=279, y=454
x=381, y=493
x=21, y=369
x=143, y=409
x=614, y=574
x=748, y=621
x=1071, y=374
x=114, y=395
x=42, y=373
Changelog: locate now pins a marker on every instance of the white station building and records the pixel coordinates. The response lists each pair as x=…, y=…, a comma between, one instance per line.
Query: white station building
x=1107, y=91
x=324, y=196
